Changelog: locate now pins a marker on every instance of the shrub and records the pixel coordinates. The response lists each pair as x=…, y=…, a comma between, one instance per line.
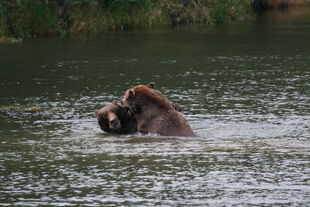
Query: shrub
x=229, y=10
x=27, y=17
x=30, y=18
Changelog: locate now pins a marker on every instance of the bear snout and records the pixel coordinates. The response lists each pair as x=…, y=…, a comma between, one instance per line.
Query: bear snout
x=115, y=124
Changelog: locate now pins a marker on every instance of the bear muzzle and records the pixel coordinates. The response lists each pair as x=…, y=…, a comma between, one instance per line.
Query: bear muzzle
x=115, y=124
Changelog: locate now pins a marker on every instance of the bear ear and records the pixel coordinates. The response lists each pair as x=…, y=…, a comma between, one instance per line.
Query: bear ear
x=96, y=112
x=151, y=85
x=114, y=102
x=131, y=93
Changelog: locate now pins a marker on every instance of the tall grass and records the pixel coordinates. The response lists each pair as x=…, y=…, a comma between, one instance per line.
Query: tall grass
x=227, y=11
x=27, y=18
x=30, y=18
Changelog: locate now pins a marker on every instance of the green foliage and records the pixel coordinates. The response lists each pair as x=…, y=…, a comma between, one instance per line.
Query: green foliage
x=2, y=24
x=128, y=13
x=186, y=11
x=229, y=10
x=29, y=18
x=100, y=15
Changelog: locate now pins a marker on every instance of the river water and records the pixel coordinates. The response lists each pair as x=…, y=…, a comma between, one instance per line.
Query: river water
x=244, y=89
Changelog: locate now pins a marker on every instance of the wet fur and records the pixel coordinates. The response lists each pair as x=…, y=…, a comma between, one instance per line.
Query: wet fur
x=128, y=124
x=115, y=118
x=156, y=114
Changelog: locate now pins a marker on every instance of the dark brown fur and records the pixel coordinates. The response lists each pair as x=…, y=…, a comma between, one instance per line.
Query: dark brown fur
x=151, y=85
x=155, y=113
x=115, y=118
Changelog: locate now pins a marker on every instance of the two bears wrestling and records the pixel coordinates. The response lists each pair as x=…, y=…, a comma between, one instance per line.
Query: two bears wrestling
x=144, y=110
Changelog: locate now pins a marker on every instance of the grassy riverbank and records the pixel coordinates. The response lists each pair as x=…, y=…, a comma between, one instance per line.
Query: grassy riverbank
x=32, y=18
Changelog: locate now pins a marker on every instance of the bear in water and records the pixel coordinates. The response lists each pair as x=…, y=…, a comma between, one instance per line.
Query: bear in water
x=175, y=106
x=154, y=113
x=115, y=118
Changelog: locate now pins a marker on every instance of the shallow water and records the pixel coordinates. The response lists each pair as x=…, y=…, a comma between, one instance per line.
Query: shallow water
x=244, y=89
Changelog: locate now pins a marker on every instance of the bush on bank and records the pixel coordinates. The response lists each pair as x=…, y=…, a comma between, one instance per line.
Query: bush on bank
x=32, y=18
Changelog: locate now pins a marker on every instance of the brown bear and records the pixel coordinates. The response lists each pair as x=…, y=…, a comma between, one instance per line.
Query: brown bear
x=115, y=118
x=154, y=113
x=175, y=106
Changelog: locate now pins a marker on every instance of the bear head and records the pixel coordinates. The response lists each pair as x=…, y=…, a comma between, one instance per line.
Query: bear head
x=112, y=117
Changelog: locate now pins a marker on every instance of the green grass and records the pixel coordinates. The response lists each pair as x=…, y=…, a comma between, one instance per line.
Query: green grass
x=32, y=18
x=227, y=11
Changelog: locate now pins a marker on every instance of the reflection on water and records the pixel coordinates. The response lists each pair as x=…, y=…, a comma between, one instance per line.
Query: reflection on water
x=244, y=88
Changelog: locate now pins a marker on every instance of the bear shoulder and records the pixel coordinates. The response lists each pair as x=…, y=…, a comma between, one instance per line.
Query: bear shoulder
x=144, y=94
